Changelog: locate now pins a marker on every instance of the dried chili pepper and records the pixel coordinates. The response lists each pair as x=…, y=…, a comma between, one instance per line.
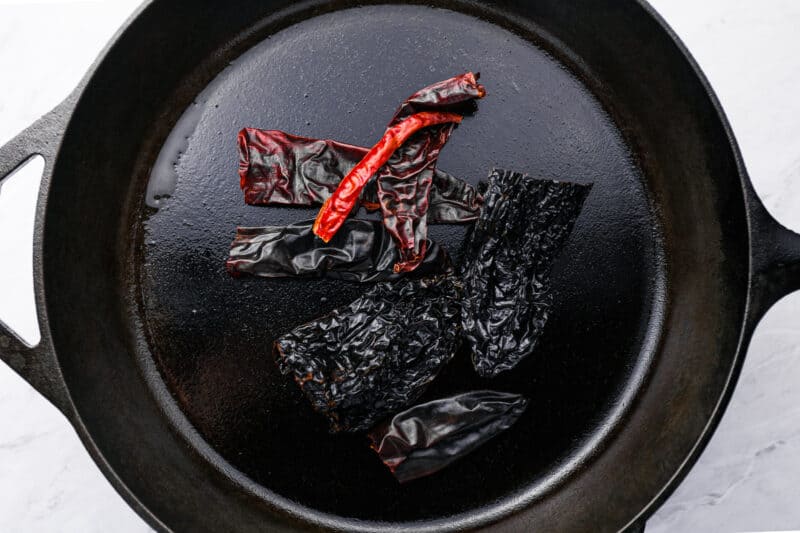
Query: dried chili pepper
x=283, y=169
x=361, y=251
x=448, y=93
x=404, y=190
x=377, y=355
x=277, y=168
x=405, y=183
x=338, y=207
x=510, y=252
x=428, y=437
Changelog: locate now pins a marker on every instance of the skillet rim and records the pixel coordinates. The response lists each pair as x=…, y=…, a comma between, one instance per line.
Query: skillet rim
x=299, y=512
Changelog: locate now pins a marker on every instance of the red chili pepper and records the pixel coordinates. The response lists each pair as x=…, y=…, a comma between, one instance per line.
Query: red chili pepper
x=338, y=207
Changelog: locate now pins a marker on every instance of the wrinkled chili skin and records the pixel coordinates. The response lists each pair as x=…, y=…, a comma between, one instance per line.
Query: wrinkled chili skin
x=448, y=93
x=404, y=189
x=361, y=251
x=510, y=253
x=405, y=183
x=282, y=169
x=377, y=355
x=277, y=168
x=342, y=202
x=428, y=437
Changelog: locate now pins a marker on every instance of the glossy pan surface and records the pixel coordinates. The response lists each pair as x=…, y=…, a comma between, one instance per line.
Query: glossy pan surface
x=163, y=361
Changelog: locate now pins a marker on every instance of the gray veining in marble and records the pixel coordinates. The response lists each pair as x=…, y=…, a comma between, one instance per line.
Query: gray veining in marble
x=748, y=479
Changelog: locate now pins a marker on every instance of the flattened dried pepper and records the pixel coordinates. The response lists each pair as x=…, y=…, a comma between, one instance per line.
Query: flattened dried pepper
x=338, y=207
x=277, y=168
x=448, y=93
x=377, y=355
x=523, y=227
x=405, y=183
x=361, y=251
x=404, y=192
x=428, y=437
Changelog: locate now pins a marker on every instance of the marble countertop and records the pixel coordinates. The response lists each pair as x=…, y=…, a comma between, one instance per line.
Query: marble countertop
x=746, y=480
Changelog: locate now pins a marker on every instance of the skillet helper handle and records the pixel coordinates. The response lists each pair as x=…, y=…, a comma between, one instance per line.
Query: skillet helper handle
x=36, y=364
x=775, y=267
x=41, y=138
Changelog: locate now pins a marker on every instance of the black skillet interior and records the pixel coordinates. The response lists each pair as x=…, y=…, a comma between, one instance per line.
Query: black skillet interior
x=334, y=76
x=655, y=241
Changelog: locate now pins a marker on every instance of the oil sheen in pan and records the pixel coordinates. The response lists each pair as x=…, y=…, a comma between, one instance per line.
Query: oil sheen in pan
x=334, y=76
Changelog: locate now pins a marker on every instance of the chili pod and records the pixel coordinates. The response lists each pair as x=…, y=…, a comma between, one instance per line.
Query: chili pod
x=362, y=251
x=377, y=355
x=338, y=207
x=428, y=437
x=510, y=253
x=277, y=168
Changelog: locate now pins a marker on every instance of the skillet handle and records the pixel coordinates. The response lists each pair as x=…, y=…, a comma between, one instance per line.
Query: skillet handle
x=41, y=138
x=775, y=252
x=36, y=364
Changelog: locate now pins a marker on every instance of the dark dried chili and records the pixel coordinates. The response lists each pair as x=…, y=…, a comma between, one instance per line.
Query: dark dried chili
x=277, y=168
x=405, y=183
x=446, y=94
x=404, y=192
x=428, y=437
x=362, y=251
x=377, y=355
x=510, y=252
x=338, y=207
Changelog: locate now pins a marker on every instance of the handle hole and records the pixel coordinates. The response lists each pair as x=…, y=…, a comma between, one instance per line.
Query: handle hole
x=18, y=195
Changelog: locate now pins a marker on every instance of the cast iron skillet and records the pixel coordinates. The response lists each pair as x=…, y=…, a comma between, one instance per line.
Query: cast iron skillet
x=162, y=362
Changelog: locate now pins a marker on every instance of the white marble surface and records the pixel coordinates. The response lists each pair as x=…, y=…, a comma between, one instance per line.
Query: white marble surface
x=748, y=477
